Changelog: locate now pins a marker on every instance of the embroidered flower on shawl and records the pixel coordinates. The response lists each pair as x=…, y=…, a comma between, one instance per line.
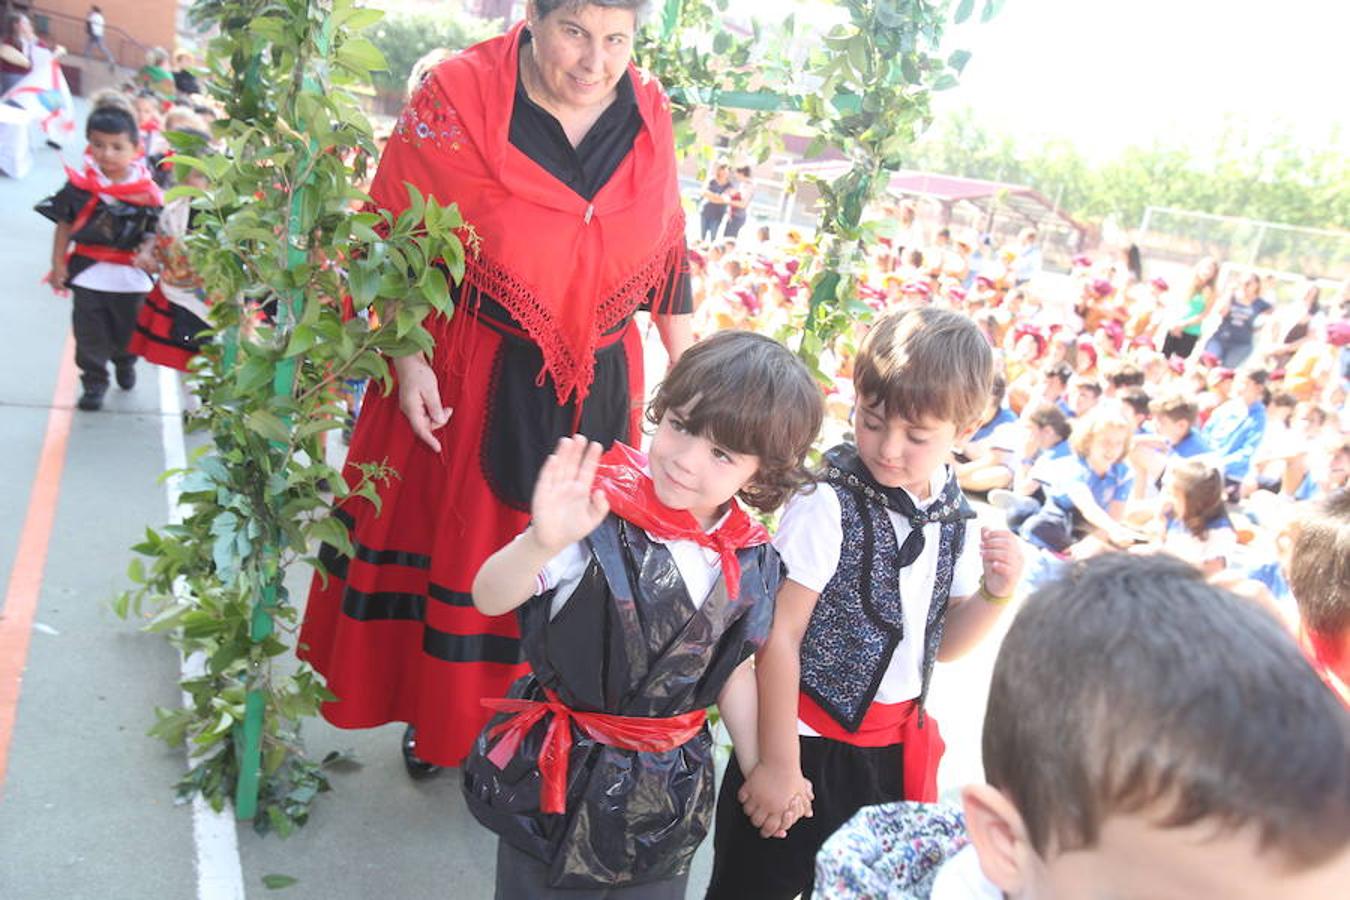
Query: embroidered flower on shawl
x=430, y=118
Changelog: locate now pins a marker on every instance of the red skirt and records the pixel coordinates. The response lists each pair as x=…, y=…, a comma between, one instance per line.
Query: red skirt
x=165, y=332
x=393, y=629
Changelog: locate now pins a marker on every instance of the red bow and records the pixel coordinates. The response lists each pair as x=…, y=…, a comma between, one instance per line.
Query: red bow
x=639, y=733
x=632, y=497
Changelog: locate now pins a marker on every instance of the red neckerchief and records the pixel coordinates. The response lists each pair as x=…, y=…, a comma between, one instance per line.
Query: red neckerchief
x=566, y=268
x=632, y=497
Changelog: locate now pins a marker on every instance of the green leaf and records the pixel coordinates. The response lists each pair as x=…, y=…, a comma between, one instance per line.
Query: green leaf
x=267, y=425
x=332, y=532
x=362, y=55
x=958, y=59
x=963, y=11
x=277, y=882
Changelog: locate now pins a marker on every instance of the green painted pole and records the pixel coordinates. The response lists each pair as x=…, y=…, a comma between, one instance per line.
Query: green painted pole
x=261, y=625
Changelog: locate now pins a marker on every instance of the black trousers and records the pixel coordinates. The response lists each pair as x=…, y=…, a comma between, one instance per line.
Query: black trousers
x=522, y=877
x=845, y=779
x=103, y=322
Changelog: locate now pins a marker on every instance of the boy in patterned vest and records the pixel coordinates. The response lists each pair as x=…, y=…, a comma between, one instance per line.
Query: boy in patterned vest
x=886, y=574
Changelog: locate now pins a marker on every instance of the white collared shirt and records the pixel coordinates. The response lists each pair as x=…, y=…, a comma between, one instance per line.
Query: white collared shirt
x=810, y=537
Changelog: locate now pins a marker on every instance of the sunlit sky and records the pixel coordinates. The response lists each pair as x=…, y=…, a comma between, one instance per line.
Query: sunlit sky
x=1107, y=74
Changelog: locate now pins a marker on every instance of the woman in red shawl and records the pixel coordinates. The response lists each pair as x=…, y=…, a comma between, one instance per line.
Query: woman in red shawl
x=560, y=155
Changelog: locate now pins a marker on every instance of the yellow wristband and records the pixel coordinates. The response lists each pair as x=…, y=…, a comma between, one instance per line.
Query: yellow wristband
x=990, y=598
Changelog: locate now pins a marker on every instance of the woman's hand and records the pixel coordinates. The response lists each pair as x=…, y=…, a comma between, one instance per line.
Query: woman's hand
x=58, y=277
x=419, y=397
x=566, y=505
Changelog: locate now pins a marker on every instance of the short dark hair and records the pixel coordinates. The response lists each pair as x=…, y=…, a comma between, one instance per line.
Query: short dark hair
x=1136, y=398
x=1126, y=375
x=750, y=394
x=1048, y=414
x=1092, y=385
x=1319, y=567
x=112, y=114
x=1176, y=407
x=1130, y=684
x=926, y=363
x=1061, y=370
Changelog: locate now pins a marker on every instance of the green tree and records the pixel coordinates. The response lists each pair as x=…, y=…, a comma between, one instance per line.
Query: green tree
x=278, y=230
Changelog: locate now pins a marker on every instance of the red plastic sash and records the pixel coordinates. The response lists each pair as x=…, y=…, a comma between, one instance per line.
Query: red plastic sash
x=644, y=735
x=632, y=497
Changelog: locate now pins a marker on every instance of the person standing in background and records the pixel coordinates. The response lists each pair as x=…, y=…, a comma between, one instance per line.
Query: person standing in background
x=94, y=27
x=738, y=207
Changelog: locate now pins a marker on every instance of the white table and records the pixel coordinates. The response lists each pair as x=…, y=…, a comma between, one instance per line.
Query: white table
x=16, y=149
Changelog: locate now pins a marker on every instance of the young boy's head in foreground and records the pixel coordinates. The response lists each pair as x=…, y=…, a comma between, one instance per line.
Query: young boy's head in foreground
x=922, y=378
x=1149, y=735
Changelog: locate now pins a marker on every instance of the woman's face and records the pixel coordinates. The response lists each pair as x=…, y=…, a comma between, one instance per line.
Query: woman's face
x=1251, y=288
x=580, y=54
x=1206, y=269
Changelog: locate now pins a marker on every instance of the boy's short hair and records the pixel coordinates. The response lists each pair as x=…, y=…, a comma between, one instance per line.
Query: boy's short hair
x=1136, y=398
x=1283, y=399
x=1050, y=415
x=926, y=363
x=1060, y=370
x=1089, y=384
x=1127, y=374
x=1176, y=408
x=1319, y=566
x=1132, y=686
x=749, y=394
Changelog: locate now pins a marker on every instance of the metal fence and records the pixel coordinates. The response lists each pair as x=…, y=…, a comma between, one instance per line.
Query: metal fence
x=1181, y=237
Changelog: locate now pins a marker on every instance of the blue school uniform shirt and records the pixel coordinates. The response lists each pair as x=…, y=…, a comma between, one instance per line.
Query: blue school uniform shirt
x=1002, y=417
x=1106, y=489
x=1234, y=433
x=1270, y=575
x=1191, y=445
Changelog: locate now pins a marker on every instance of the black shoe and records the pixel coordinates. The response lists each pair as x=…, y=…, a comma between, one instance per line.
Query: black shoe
x=418, y=770
x=54, y=145
x=126, y=377
x=92, y=399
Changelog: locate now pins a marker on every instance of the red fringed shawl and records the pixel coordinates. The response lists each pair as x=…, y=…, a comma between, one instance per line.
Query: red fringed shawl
x=567, y=269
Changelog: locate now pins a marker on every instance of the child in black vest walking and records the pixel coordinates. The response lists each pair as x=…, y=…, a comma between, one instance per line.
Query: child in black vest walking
x=103, y=215
x=643, y=588
x=886, y=575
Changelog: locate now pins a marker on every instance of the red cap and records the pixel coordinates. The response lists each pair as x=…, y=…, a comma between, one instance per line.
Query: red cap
x=917, y=287
x=1160, y=283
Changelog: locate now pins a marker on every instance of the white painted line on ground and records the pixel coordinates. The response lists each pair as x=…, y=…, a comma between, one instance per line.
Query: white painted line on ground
x=220, y=875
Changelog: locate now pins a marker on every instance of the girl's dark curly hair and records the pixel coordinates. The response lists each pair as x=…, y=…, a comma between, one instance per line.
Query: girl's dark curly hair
x=749, y=394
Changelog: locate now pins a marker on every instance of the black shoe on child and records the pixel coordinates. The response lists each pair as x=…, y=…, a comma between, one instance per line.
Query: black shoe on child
x=91, y=400
x=126, y=377
x=418, y=770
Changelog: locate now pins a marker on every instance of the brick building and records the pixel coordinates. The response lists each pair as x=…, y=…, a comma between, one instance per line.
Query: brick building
x=130, y=26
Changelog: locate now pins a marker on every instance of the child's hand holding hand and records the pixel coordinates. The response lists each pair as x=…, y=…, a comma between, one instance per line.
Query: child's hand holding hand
x=774, y=798
x=1001, y=552
x=566, y=506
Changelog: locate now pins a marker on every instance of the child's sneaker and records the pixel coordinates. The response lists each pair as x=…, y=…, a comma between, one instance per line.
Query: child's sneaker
x=126, y=376
x=92, y=399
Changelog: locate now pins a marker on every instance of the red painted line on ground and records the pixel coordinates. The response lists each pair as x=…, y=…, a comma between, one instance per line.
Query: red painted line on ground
x=25, y=581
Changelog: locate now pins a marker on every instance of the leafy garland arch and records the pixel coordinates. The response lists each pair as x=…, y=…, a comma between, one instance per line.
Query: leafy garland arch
x=280, y=227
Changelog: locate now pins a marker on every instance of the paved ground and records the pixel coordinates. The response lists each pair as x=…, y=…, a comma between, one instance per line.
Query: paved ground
x=86, y=808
